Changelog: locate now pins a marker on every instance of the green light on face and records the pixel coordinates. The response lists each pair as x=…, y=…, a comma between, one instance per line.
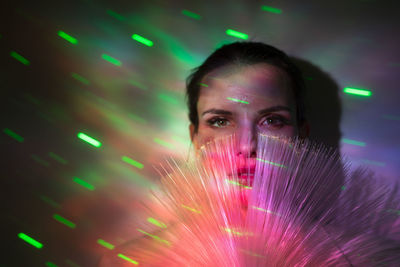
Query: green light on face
x=115, y=15
x=89, y=140
x=64, y=221
x=13, y=135
x=238, y=184
x=105, y=244
x=271, y=9
x=191, y=14
x=156, y=223
x=237, y=34
x=132, y=162
x=142, y=40
x=111, y=60
x=272, y=163
x=237, y=100
x=163, y=143
x=19, y=58
x=122, y=256
x=353, y=142
x=359, y=92
x=80, y=78
x=67, y=37
x=83, y=183
x=203, y=84
x=30, y=240
x=50, y=264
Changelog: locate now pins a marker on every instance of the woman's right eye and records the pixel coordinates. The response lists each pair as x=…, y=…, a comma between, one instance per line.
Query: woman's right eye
x=218, y=122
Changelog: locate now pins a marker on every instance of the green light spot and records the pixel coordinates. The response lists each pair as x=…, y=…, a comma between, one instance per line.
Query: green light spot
x=156, y=223
x=67, y=37
x=138, y=84
x=237, y=183
x=157, y=238
x=84, y=183
x=30, y=240
x=115, y=15
x=80, y=78
x=122, y=256
x=13, y=135
x=137, y=118
x=237, y=100
x=64, y=221
x=57, y=158
x=89, y=140
x=105, y=244
x=203, y=84
x=271, y=9
x=353, y=142
x=132, y=162
x=355, y=91
x=50, y=264
x=19, y=58
x=272, y=163
x=264, y=210
x=168, y=99
x=343, y=188
x=163, y=143
x=191, y=209
x=40, y=160
x=142, y=40
x=111, y=60
x=191, y=14
x=372, y=162
x=237, y=34
x=50, y=201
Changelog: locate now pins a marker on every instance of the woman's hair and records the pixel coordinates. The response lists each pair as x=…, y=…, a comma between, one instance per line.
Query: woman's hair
x=242, y=54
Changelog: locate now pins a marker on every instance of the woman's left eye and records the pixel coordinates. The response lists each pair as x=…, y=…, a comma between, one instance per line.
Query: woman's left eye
x=275, y=121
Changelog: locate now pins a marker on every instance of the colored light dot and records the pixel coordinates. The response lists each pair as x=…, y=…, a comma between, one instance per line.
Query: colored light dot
x=353, y=142
x=142, y=40
x=237, y=100
x=237, y=34
x=67, y=37
x=358, y=92
x=132, y=162
x=64, y=221
x=122, y=256
x=271, y=9
x=30, y=240
x=20, y=58
x=89, y=139
x=111, y=60
x=156, y=223
x=105, y=244
x=80, y=78
x=83, y=183
x=191, y=14
x=13, y=135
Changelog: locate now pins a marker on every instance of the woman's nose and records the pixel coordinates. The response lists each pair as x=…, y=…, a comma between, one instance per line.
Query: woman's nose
x=247, y=142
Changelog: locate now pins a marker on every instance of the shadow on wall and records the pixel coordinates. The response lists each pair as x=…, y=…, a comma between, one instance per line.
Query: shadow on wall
x=323, y=106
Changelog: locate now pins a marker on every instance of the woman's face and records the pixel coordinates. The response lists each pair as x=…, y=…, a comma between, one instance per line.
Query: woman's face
x=245, y=101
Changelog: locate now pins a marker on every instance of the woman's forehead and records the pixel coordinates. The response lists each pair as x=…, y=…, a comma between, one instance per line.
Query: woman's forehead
x=259, y=84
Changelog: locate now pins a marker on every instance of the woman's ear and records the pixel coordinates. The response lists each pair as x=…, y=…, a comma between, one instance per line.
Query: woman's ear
x=304, y=130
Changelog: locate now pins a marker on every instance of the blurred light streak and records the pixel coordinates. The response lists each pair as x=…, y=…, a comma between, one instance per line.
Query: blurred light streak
x=78, y=77
x=271, y=9
x=272, y=163
x=168, y=99
x=356, y=91
x=115, y=15
x=40, y=160
x=122, y=256
x=237, y=100
x=57, y=158
x=142, y=40
x=105, y=244
x=50, y=264
x=84, y=183
x=237, y=183
x=163, y=143
x=353, y=142
x=132, y=162
x=89, y=140
x=67, y=37
x=30, y=240
x=191, y=14
x=191, y=209
x=111, y=60
x=136, y=118
x=64, y=221
x=203, y=84
x=156, y=223
x=50, y=201
x=155, y=237
x=13, y=135
x=237, y=34
x=373, y=162
x=19, y=58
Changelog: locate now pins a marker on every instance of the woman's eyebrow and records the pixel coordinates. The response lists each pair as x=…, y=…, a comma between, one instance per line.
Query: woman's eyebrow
x=273, y=109
x=217, y=111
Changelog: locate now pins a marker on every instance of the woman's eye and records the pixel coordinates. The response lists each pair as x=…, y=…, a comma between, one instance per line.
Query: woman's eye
x=275, y=121
x=218, y=122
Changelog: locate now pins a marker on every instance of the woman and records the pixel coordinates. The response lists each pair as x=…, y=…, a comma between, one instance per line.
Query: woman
x=243, y=89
